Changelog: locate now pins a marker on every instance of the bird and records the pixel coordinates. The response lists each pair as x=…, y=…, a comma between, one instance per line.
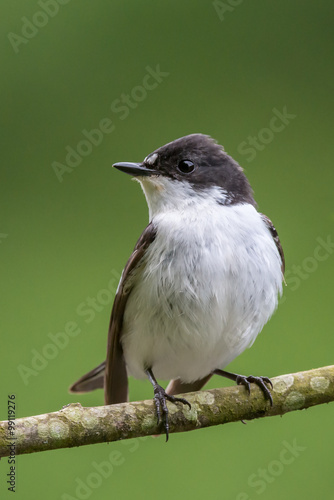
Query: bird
x=203, y=279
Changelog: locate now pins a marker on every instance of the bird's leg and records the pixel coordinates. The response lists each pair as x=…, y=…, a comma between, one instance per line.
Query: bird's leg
x=243, y=380
x=160, y=397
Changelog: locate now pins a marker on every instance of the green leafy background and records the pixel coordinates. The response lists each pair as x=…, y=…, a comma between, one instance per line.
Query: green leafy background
x=62, y=242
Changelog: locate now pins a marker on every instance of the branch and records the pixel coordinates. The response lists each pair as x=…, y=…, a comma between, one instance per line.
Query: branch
x=74, y=425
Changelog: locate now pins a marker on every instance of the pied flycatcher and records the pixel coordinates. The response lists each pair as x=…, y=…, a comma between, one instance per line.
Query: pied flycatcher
x=202, y=281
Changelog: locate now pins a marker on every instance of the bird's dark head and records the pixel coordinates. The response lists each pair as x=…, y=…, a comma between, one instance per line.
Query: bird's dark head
x=196, y=163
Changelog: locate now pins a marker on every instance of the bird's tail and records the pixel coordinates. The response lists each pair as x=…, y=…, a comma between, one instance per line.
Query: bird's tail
x=94, y=379
x=90, y=381
x=176, y=386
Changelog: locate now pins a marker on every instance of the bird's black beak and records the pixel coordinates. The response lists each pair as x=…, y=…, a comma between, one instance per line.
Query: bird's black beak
x=135, y=169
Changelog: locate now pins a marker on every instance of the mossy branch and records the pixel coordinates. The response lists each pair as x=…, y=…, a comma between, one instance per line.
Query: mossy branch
x=74, y=425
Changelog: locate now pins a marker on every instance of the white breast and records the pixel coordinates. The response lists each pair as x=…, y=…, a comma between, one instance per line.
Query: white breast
x=210, y=282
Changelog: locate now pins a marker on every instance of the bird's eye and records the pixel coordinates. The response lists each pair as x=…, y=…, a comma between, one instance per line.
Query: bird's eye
x=186, y=166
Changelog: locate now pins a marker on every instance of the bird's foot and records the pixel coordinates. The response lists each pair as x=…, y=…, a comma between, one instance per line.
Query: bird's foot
x=246, y=381
x=160, y=398
x=259, y=381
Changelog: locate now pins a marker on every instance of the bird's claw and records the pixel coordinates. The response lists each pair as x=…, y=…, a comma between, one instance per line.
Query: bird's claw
x=259, y=381
x=160, y=398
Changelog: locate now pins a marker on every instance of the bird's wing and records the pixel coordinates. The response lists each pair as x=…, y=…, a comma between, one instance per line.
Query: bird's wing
x=276, y=239
x=116, y=379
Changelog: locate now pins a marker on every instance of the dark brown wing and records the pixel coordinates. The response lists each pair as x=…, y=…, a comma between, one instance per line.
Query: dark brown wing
x=116, y=379
x=276, y=239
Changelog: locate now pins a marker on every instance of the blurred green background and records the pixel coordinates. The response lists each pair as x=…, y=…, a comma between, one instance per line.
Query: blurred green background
x=227, y=67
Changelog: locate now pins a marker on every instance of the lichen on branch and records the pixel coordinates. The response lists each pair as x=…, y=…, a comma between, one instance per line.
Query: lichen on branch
x=75, y=425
